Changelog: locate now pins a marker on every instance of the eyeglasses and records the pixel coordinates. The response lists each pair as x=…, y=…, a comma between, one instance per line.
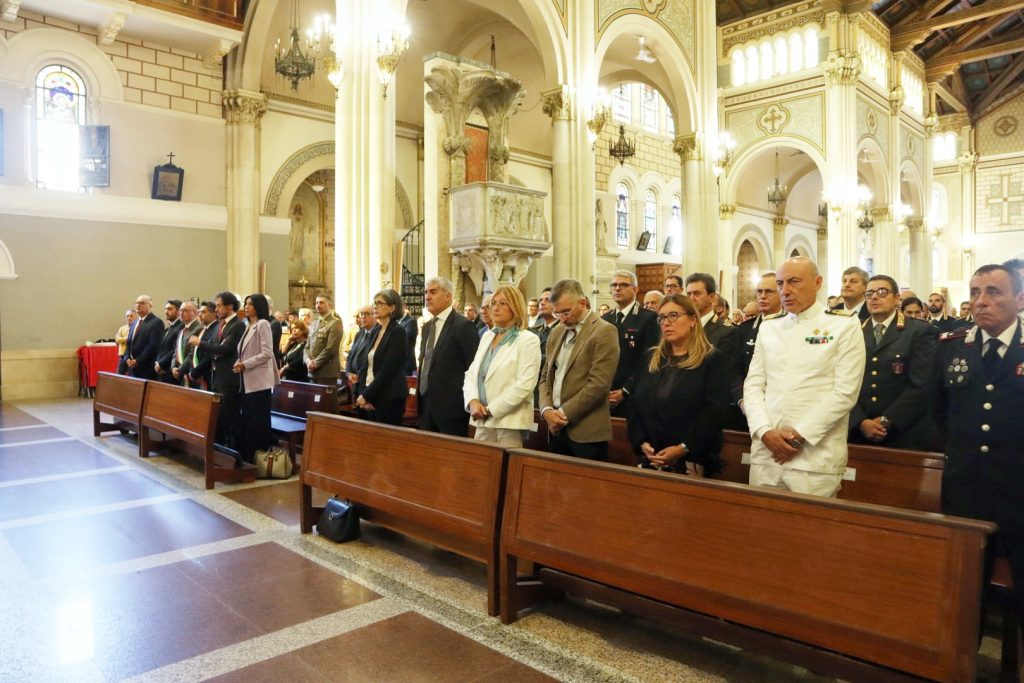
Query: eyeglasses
x=381, y=303
x=568, y=311
x=882, y=292
x=764, y=292
x=495, y=303
x=672, y=317
x=620, y=285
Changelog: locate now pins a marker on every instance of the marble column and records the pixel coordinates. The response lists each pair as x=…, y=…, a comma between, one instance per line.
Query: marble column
x=725, y=232
x=243, y=110
x=700, y=242
x=968, y=163
x=920, y=257
x=557, y=104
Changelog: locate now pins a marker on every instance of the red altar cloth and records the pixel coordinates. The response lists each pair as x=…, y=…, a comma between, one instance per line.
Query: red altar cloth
x=95, y=359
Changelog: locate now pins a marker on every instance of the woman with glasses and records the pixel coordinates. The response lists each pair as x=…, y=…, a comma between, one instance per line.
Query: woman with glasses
x=498, y=389
x=382, y=388
x=680, y=398
x=293, y=365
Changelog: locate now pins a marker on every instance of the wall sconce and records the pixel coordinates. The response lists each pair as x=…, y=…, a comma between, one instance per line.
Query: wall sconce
x=330, y=59
x=723, y=153
x=390, y=52
x=831, y=201
x=599, y=115
x=864, y=204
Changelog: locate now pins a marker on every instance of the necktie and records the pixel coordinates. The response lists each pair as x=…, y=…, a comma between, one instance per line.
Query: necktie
x=619, y=318
x=570, y=336
x=991, y=356
x=428, y=353
x=220, y=331
x=879, y=333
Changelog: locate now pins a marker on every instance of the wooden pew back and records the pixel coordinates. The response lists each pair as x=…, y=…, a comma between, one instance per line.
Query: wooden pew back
x=619, y=450
x=443, y=489
x=295, y=399
x=891, y=587
x=119, y=396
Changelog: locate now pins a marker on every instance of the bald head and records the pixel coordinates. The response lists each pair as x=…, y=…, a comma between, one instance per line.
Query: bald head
x=798, y=283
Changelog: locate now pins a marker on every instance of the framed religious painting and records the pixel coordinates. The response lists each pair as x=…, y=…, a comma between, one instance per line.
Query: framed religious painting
x=168, y=180
x=644, y=241
x=306, y=238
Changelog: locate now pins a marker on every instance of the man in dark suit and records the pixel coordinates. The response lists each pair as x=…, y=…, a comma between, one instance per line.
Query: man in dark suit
x=583, y=353
x=637, y=329
x=143, y=342
x=181, y=360
x=768, y=305
x=357, y=354
x=200, y=369
x=224, y=350
x=447, y=349
x=408, y=324
x=978, y=400
x=276, y=331
x=700, y=287
x=892, y=409
x=165, y=353
x=855, y=281
x=939, y=317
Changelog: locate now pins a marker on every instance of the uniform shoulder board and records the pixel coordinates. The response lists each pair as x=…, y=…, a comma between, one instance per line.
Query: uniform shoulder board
x=775, y=316
x=953, y=334
x=839, y=311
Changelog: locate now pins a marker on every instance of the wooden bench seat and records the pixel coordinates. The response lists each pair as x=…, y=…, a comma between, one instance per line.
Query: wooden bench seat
x=858, y=591
x=290, y=403
x=442, y=489
x=188, y=418
x=119, y=396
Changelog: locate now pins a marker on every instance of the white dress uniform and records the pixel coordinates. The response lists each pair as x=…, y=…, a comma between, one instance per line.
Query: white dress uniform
x=805, y=375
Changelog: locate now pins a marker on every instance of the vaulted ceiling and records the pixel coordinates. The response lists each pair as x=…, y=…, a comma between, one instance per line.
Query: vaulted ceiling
x=973, y=50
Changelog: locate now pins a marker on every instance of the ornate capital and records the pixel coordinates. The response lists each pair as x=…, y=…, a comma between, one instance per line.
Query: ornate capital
x=214, y=56
x=967, y=162
x=688, y=147
x=896, y=99
x=9, y=10
x=243, y=106
x=842, y=68
x=780, y=223
x=557, y=103
x=725, y=211
x=915, y=224
x=110, y=28
x=456, y=145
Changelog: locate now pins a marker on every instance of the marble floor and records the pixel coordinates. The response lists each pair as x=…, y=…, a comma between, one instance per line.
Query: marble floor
x=116, y=568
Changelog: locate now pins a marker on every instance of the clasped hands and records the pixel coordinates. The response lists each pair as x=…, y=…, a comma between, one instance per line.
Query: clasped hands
x=663, y=458
x=784, y=443
x=873, y=429
x=478, y=411
x=556, y=419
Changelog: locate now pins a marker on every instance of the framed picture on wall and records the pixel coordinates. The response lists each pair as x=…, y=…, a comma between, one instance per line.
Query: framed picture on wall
x=167, y=182
x=645, y=239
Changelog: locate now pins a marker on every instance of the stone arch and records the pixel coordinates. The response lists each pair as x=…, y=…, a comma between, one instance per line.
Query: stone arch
x=874, y=172
x=404, y=206
x=749, y=154
x=7, y=271
x=293, y=171
x=26, y=53
x=752, y=233
x=746, y=283
x=801, y=245
x=679, y=87
x=917, y=199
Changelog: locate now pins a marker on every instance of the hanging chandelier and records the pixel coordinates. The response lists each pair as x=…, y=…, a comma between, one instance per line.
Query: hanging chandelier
x=623, y=148
x=294, y=64
x=777, y=192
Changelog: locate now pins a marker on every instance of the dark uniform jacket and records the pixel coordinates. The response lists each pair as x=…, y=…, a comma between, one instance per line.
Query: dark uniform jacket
x=863, y=313
x=182, y=348
x=948, y=323
x=638, y=332
x=982, y=414
x=896, y=384
x=746, y=338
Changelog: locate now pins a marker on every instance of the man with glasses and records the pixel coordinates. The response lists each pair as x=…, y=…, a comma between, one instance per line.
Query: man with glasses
x=803, y=382
x=892, y=407
x=768, y=306
x=637, y=330
x=582, y=355
x=673, y=285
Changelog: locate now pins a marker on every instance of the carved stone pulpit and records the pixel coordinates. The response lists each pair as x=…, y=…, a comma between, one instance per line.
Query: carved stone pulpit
x=497, y=231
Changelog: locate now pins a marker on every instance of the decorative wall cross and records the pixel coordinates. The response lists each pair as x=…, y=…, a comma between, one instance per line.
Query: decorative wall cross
x=1005, y=197
x=773, y=119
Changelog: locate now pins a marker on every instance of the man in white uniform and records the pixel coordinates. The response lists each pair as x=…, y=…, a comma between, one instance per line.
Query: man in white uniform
x=804, y=379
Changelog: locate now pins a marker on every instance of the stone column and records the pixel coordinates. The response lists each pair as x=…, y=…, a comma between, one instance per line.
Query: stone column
x=920, y=257
x=243, y=109
x=968, y=163
x=700, y=244
x=725, y=232
x=557, y=104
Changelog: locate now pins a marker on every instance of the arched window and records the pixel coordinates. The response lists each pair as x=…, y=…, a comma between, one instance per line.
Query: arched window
x=622, y=103
x=753, y=72
x=622, y=215
x=670, y=122
x=675, y=227
x=776, y=56
x=810, y=48
x=944, y=146
x=781, y=56
x=739, y=67
x=796, y=52
x=938, y=207
x=60, y=101
x=649, y=107
x=766, y=61
x=651, y=219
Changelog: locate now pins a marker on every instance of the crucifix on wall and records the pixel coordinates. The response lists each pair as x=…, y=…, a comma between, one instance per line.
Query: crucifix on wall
x=1006, y=198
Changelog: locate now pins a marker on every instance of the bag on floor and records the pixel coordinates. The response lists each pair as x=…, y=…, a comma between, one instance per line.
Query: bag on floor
x=339, y=521
x=273, y=463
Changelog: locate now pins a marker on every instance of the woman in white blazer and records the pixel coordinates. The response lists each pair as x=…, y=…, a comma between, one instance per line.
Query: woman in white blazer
x=498, y=388
x=258, y=373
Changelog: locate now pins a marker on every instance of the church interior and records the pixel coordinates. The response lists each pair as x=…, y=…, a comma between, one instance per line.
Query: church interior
x=178, y=148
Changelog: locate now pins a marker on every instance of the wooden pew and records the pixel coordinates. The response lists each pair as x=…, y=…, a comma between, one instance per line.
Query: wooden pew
x=857, y=591
x=119, y=396
x=412, y=409
x=188, y=417
x=290, y=403
x=443, y=489
x=619, y=450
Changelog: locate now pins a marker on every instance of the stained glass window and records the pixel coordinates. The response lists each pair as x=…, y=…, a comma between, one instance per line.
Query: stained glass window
x=622, y=103
x=651, y=219
x=676, y=226
x=649, y=107
x=622, y=215
x=60, y=109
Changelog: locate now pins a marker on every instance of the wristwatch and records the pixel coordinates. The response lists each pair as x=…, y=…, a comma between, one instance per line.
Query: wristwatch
x=684, y=447
x=884, y=421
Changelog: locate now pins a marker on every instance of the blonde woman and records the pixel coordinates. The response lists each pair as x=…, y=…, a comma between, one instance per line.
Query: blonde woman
x=498, y=388
x=679, y=400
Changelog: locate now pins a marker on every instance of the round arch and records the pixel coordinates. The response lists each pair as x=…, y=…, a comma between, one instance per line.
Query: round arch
x=873, y=170
x=7, y=271
x=915, y=188
x=29, y=51
x=753, y=234
x=680, y=90
x=801, y=245
x=750, y=153
x=293, y=171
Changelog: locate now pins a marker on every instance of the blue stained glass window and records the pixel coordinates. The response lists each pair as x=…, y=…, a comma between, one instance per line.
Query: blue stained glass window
x=60, y=110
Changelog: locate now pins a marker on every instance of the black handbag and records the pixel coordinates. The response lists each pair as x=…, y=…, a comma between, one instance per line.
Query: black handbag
x=339, y=521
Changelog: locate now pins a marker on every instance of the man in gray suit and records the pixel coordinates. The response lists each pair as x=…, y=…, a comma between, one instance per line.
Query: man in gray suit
x=323, y=351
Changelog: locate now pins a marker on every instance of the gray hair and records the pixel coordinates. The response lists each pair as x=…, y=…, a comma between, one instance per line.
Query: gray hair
x=859, y=272
x=442, y=282
x=626, y=273
x=566, y=286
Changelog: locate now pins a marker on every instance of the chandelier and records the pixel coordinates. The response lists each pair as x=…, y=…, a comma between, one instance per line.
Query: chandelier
x=865, y=221
x=599, y=115
x=777, y=192
x=623, y=148
x=293, y=63
x=723, y=153
x=389, y=53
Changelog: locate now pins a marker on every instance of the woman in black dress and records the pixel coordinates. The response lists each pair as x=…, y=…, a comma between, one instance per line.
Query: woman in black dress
x=292, y=365
x=679, y=400
x=382, y=386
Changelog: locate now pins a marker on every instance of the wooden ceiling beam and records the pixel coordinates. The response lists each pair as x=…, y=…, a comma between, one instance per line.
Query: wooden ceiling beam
x=928, y=10
x=948, y=97
x=908, y=35
x=998, y=87
x=946, y=65
x=970, y=36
